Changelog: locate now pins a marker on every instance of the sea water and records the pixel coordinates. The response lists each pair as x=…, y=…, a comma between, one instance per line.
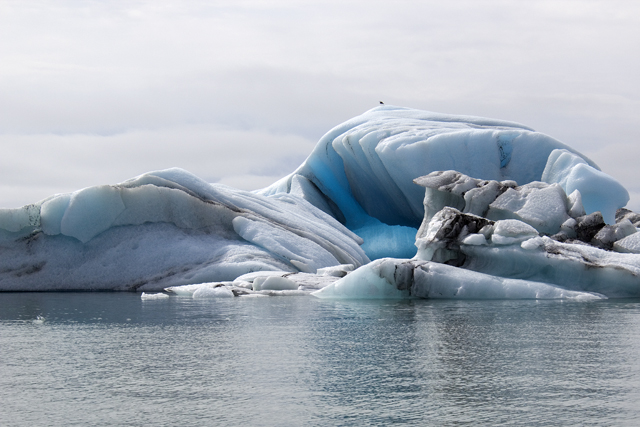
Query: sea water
x=115, y=359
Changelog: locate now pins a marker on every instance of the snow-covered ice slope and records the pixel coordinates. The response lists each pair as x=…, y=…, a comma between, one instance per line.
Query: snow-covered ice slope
x=362, y=171
x=164, y=229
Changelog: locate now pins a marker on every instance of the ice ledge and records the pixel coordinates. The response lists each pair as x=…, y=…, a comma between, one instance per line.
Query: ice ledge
x=401, y=279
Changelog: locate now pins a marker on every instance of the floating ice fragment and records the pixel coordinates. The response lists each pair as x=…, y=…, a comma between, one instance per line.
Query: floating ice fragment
x=153, y=296
x=213, y=292
x=578, y=267
x=202, y=290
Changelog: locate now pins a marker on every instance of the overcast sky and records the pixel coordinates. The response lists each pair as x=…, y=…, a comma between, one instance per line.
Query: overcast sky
x=239, y=92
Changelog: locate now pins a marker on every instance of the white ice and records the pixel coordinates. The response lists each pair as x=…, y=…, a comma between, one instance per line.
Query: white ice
x=213, y=292
x=153, y=296
x=599, y=191
x=397, y=278
x=542, y=206
x=274, y=283
x=336, y=271
x=510, y=231
x=629, y=244
x=576, y=267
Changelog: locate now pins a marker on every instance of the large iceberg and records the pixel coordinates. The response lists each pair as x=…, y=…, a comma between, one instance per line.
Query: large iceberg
x=466, y=207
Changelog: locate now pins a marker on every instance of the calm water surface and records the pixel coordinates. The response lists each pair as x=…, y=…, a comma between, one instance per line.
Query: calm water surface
x=113, y=359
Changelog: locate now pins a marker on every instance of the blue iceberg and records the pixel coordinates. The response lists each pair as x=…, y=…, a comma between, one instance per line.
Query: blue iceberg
x=464, y=207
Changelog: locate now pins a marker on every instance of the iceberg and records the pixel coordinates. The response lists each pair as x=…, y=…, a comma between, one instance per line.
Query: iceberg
x=445, y=206
x=164, y=229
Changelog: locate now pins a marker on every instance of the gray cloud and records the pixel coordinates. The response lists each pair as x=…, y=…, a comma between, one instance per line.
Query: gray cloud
x=97, y=92
x=41, y=165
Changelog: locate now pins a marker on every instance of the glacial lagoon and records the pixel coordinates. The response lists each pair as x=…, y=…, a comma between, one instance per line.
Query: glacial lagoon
x=111, y=358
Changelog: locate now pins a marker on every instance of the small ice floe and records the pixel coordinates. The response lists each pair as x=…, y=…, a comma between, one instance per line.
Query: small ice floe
x=202, y=290
x=264, y=283
x=286, y=283
x=145, y=296
x=216, y=292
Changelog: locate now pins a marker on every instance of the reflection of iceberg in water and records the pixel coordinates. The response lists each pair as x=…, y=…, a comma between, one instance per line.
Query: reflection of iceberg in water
x=515, y=214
